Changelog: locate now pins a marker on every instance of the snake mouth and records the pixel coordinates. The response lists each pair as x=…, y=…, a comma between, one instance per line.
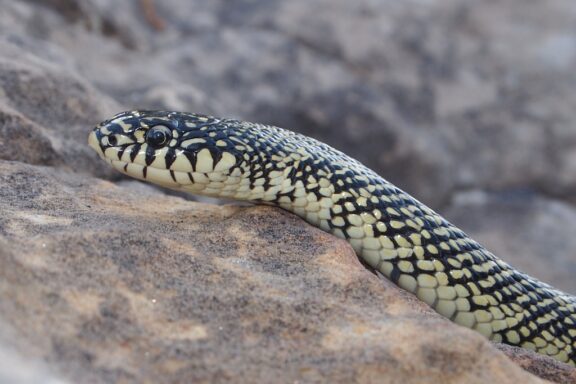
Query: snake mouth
x=95, y=140
x=133, y=164
x=94, y=143
x=110, y=155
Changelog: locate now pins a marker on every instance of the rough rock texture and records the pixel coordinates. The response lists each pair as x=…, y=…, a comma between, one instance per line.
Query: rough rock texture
x=469, y=105
x=104, y=286
x=541, y=366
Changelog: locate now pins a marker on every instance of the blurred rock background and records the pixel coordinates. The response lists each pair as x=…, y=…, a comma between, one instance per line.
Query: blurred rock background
x=468, y=105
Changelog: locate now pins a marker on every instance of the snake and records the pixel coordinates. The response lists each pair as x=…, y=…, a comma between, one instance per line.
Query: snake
x=393, y=234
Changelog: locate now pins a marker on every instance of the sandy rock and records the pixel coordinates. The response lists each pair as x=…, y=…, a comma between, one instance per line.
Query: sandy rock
x=105, y=286
x=539, y=365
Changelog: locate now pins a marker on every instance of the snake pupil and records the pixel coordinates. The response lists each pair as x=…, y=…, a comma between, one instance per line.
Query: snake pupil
x=112, y=140
x=158, y=136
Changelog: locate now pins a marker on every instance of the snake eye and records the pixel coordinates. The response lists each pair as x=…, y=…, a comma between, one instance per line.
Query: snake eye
x=158, y=136
x=112, y=140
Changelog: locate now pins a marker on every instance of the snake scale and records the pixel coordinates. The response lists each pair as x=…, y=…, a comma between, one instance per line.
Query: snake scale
x=390, y=231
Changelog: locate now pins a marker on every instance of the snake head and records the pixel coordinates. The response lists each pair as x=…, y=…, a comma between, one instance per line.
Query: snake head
x=176, y=150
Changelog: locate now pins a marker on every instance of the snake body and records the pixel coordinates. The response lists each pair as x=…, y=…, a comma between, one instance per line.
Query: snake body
x=390, y=231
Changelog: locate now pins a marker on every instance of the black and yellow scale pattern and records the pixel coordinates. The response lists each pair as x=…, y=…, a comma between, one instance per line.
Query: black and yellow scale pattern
x=390, y=231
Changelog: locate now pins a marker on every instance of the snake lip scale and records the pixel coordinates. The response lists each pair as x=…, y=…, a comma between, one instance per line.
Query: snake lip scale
x=391, y=232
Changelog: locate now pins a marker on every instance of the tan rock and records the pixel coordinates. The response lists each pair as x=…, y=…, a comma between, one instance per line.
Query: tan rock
x=541, y=366
x=121, y=284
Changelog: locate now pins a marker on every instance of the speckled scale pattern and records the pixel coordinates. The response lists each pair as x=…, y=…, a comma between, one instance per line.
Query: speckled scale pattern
x=391, y=232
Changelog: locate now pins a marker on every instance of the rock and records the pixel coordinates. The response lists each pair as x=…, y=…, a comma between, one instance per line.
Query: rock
x=45, y=110
x=105, y=286
x=16, y=369
x=445, y=99
x=539, y=365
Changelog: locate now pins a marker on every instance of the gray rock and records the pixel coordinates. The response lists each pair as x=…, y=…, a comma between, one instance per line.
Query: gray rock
x=45, y=110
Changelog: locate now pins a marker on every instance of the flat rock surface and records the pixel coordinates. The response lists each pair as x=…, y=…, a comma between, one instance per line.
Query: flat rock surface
x=115, y=284
x=104, y=280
